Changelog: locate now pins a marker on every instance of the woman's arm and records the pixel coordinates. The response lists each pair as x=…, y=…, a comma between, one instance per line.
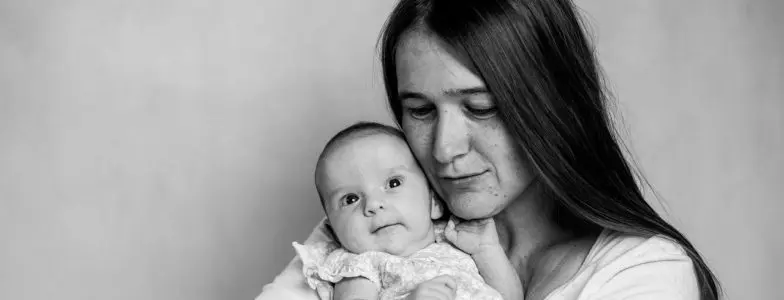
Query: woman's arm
x=290, y=283
x=498, y=272
x=479, y=239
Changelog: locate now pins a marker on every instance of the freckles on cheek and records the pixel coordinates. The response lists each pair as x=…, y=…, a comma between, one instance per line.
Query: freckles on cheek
x=419, y=144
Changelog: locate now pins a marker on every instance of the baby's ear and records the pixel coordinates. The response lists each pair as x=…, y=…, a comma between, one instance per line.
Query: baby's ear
x=436, y=206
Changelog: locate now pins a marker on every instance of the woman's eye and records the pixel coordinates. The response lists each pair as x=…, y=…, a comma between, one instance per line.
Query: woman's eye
x=420, y=112
x=482, y=113
x=350, y=199
x=394, y=182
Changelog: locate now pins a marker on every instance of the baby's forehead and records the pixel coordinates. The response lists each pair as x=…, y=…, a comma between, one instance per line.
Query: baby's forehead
x=381, y=149
x=369, y=145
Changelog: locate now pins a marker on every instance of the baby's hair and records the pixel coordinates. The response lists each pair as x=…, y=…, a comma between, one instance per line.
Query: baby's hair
x=358, y=130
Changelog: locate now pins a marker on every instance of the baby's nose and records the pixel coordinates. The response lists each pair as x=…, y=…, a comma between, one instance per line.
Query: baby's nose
x=373, y=205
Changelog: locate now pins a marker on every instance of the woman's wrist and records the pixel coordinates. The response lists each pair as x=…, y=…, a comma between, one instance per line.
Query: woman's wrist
x=489, y=252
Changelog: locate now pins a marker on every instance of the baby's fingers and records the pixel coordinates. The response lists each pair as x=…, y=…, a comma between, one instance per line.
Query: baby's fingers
x=449, y=231
x=434, y=294
x=442, y=288
x=446, y=280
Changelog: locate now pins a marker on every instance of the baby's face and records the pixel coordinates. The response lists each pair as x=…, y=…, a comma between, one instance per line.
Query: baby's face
x=376, y=197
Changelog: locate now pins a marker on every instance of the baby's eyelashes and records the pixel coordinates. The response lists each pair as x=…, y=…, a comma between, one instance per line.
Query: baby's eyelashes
x=349, y=199
x=352, y=198
x=394, y=182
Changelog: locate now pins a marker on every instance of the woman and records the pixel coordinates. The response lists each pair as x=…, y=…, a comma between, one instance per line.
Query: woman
x=502, y=103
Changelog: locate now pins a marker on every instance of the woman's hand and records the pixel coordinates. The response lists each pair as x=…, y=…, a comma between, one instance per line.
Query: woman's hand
x=473, y=236
x=442, y=287
x=479, y=238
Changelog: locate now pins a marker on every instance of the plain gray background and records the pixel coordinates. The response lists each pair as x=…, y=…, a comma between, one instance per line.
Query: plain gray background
x=164, y=149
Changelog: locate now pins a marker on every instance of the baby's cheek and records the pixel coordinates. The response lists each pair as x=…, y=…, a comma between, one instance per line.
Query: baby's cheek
x=354, y=238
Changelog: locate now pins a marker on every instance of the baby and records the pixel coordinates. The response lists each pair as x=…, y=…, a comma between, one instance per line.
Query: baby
x=384, y=216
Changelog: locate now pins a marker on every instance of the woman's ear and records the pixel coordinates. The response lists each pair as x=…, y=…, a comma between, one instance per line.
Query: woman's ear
x=436, y=207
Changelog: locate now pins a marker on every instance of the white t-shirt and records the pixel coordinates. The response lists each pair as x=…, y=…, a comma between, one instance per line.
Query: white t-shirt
x=618, y=266
x=622, y=266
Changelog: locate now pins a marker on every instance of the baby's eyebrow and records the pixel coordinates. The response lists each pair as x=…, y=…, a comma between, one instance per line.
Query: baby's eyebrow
x=333, y=193
x=399, y=169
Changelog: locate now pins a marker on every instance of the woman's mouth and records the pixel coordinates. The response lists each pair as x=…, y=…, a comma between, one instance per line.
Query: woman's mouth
x=463, y=180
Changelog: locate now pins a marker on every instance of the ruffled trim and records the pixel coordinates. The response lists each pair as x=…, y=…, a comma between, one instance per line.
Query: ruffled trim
x=439, y=227
x=324, y=264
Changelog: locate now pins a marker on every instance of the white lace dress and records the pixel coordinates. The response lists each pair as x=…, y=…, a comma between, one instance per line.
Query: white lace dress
x=325, y=263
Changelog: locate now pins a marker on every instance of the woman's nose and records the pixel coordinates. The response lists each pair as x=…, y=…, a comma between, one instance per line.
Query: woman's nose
x=451, y=137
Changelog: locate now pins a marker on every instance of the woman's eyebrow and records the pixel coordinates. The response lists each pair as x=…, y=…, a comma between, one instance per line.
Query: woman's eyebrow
x=402, y=95
x=466, y=91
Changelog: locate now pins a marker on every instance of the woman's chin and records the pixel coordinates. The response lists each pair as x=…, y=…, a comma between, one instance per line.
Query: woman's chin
x=472, y=208
x=471, y=215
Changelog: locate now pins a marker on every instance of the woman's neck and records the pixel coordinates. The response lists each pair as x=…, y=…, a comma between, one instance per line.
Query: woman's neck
x=526, y=229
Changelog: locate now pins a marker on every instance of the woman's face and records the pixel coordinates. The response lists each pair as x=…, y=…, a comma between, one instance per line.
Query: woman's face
x=452, y=126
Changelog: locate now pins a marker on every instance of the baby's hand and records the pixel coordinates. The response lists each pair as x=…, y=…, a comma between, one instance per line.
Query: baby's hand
x=439, y=288
x=473, y=236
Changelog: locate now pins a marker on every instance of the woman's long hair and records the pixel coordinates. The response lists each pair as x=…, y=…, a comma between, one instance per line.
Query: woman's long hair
x=536, y=61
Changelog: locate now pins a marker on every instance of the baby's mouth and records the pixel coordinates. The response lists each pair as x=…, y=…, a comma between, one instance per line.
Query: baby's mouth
x=381, y=228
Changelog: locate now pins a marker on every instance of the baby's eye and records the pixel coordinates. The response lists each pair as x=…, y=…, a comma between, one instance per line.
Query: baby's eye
x=350, y=199
x=394, y=182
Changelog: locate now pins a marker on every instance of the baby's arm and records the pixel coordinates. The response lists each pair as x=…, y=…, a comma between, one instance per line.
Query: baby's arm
x=480, y=239
x=357, y=288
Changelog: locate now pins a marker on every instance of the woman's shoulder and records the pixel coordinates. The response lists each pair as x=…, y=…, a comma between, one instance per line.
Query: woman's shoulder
x=613, y=247
x=621, y=265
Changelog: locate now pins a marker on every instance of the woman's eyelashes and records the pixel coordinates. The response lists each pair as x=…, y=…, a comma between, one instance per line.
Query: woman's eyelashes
x=420, y=112
x=481, y=112
x=427, y=111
